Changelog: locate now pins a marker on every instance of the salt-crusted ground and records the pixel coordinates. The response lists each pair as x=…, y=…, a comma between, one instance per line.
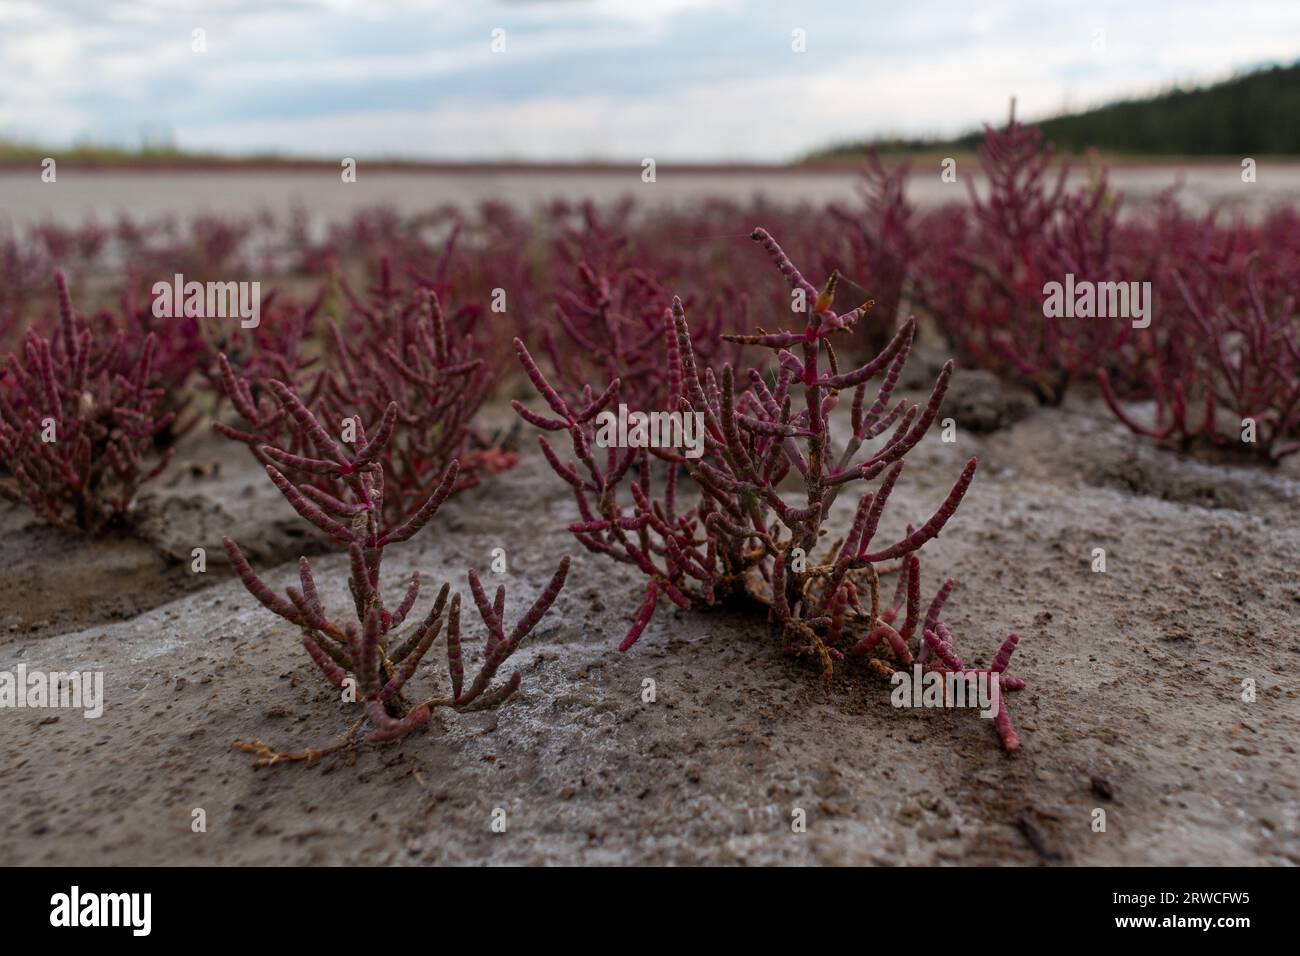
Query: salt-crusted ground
x=1134, y=703
x=251, y=191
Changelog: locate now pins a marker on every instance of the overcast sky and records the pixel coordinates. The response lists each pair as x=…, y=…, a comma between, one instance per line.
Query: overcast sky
x=594, y=79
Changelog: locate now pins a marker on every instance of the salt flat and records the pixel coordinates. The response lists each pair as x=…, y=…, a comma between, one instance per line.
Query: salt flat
x=320, y=192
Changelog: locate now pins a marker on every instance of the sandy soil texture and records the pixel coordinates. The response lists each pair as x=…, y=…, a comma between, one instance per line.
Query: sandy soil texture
x=1134, y=700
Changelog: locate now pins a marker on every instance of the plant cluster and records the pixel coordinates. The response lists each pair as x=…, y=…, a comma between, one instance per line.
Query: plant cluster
x=398, y=351
x=79, y=419
x=610, y=322
x=1222, y=362
x=91, y=403
x=343, y=494
x=718, y=528
x=1218, y=358
x=986, y=288
x=883, y=245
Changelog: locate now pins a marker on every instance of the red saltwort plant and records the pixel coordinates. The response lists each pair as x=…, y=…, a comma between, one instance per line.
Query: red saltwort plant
x=1222, y=362
x=741, y=541
x=342, y=494
x=984, y=283
x=397, y=349
x=78, y=421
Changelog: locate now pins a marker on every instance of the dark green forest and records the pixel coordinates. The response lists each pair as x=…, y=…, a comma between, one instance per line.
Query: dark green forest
x=1253, y=114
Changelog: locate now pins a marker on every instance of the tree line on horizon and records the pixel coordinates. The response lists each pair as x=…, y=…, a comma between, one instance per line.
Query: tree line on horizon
x=1256, y=113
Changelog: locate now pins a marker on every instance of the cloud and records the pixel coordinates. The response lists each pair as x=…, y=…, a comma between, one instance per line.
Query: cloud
x=683, y=79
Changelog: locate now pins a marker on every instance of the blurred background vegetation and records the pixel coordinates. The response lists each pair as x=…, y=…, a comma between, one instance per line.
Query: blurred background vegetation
x=1249, y=115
